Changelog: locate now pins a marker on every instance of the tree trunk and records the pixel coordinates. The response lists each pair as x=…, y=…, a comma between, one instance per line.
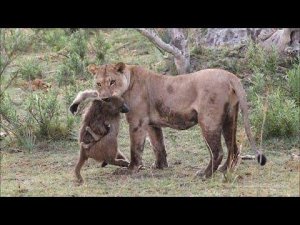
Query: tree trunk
x=179, y=39
x=178, y=47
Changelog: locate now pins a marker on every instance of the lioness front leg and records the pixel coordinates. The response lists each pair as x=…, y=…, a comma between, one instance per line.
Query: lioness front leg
x=157, y=141
x=137, y=137
x=94, y=135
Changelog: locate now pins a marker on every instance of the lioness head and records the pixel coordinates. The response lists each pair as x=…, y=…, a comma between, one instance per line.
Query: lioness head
x=110, y=80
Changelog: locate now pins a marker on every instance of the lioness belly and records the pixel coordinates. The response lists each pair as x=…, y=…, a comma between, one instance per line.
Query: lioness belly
x=166, y=117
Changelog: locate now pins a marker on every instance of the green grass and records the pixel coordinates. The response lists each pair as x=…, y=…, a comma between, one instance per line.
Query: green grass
x=48, y=171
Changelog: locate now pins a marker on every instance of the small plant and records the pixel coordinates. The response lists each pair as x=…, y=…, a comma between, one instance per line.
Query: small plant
x=258, y=85
x=78, y=43
x=45, y=110
x=55, y=38
x=101, y=47
x=72, y=68
x=64, y=75
x=294, y=82
x=262, y=61
x=282, y=115
x=20, y=127
x=30, y=69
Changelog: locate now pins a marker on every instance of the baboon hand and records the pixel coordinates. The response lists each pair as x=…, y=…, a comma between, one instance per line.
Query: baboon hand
x=73, y=108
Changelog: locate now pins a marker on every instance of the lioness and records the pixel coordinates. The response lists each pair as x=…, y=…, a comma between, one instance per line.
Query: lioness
x=209, y=97
x=99, y=131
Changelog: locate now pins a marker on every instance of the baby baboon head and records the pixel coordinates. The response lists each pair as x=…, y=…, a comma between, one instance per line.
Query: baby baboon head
x=116, y=104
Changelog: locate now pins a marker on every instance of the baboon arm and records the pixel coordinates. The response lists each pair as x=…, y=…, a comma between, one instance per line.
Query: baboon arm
x=94, y=135
x=86, y=146
x=82, y=96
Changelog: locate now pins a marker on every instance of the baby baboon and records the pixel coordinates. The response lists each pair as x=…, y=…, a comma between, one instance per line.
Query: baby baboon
x=99, y=131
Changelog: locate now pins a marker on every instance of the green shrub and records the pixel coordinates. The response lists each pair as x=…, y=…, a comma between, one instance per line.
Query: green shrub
x=30, y=69
x=260, y=60
x=258, y=85
x=101, y=47
x=64, y=75
x=15, y=40
x=73, y=67
x=55, y=38
x=12, y=121
x=78, y=43
x=47, y=113
x=294, y=82
x=282, y=117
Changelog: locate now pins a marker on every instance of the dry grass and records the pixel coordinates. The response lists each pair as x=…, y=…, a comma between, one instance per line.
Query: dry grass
x=48, y=171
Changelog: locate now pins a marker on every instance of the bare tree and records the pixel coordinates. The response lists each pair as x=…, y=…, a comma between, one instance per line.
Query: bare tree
x=178, y=47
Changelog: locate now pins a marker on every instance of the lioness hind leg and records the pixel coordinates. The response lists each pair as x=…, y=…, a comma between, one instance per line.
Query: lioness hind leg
x=213, y=142
x=229, y=134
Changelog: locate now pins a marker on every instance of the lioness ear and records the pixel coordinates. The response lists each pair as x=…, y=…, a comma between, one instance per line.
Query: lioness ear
x=120, y=67
x=92, y=68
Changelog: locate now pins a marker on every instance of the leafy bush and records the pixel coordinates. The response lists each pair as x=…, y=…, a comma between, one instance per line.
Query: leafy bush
x=72, y=68
x=55, y=38
x=282, y=116
x=15, y=40
x=19, y=126
x=294, y=82
x=30, y=69
x=258, y=85
x=101, y=47
x=78, y=43
x=64, y=75
x=262, y=61
x=46, y=111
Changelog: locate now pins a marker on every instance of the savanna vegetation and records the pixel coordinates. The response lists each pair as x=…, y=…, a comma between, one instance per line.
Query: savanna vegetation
x=42, y=70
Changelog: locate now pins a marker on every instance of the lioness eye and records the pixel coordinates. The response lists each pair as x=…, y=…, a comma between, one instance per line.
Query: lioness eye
x=112, y=82
x=99, y=84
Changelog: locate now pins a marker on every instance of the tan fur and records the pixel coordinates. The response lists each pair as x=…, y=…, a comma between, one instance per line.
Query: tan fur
x=99, y=131
x=38, y=84
x=209, y=97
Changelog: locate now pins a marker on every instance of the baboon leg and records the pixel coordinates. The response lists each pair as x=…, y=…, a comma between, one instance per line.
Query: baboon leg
x=94, y=135
x=229, y=134
x=120, y=155
x=81, y=161
x=120, y=162
x=157, y=142
x=104, y=164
